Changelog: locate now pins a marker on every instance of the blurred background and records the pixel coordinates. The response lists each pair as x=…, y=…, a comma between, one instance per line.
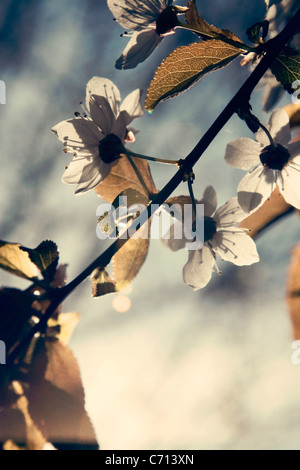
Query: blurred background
x=178, y=369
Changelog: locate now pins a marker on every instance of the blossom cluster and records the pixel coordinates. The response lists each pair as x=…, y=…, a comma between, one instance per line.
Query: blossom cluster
x=96, y=138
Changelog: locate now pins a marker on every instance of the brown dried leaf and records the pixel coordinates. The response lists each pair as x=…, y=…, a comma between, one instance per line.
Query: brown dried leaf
x=129, y=259
x=16, y=261
x=12, y=426
x=67, y=323
x=17, y=426
x=293, y=292
x=56, y=398
x=181, y=200
x=45, y=257
x=293, y=111
x=206, y=30
x=34, y=438
x=131, y=253
x=185, y=66
x=102, y=283
x=272, y=209
x=123, y=176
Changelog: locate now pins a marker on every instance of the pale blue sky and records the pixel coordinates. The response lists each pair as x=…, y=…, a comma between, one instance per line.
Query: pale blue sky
x=180, y=369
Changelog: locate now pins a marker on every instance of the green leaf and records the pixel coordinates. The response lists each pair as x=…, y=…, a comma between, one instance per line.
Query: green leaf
x=258, y=31
x=286, y=68
x=45, y=257
x=15, y=260
x=185, y=66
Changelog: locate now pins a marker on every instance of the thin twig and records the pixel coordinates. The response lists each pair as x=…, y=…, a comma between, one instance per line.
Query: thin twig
x=274, y=47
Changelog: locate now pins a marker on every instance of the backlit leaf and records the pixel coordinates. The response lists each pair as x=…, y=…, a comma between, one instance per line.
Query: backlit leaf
x=286, y=68
x=16, y=261
x=128, y=261
x=271, y=210
x=132, y=197
x=45, y=257
x=203, y=28
x=123, y=176
x=258, y=31
x=131, y=255
x=293, y=292
x=102, y=283
x=293, y=111
x=185, y=66
x=56, y=398
x=67, y=323
x=132, y=245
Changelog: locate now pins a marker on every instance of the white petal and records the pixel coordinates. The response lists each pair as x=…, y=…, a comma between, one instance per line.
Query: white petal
x=104, y=87
x=140, y=46
x=235, y=246
x=198, y=270
x=75, y=169
x=86, y=172
x=92, y=183
x=294, y=149
x=119, y=127
x=279, y=127
x=132, y=107
x=289, y=185
x=229, y=214
x=172, y=225
x=255, y=188
x=209, y=199
x=243, y=153
x=169, y=239
x=135, y=14
x=101, y=113
x=272, y=94
x=78, y=133
x=91, y=179
x=81, y=170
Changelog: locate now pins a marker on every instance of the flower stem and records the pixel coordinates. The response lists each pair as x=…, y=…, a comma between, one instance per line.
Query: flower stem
x=191, y=191
x=267, y=132
x=152, y=159
x=138, y=174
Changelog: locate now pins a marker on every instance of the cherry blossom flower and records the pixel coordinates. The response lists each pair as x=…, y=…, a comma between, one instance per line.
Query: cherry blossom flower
x=96, y=138
x=149, y=21
x=269, y=164
x=222, y=237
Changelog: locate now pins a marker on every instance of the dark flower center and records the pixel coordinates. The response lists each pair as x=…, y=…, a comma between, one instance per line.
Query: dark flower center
x=166, y=21
x=110, y=148
x=274, y=157
x=210, y=228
